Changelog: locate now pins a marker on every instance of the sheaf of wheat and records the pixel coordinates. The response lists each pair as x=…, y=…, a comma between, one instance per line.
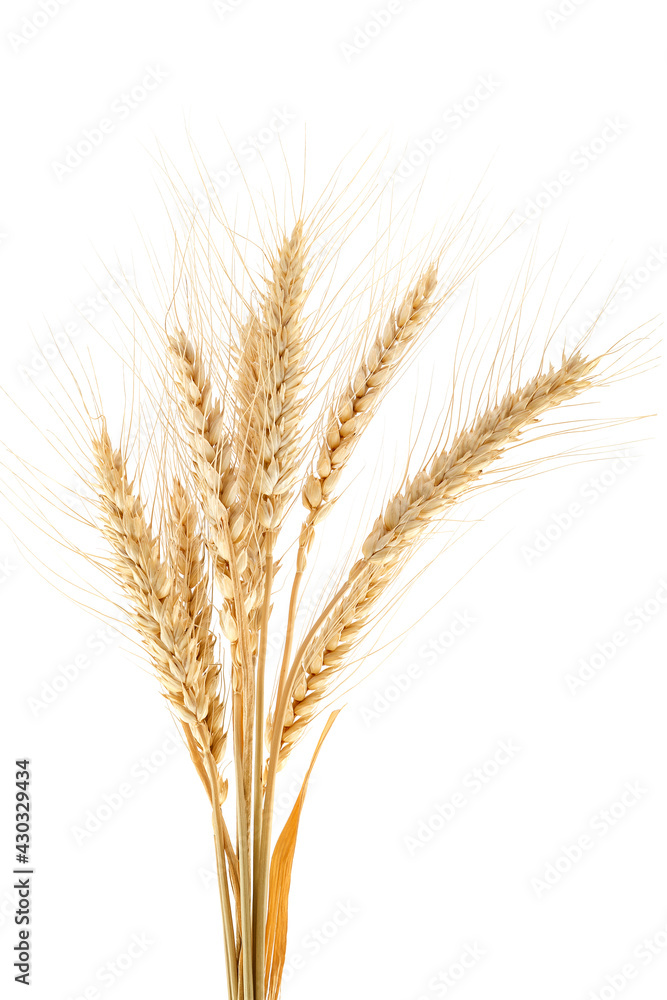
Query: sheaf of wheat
x=251, y=453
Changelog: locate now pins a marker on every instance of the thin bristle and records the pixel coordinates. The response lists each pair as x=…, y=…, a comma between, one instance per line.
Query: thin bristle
x=187, y=560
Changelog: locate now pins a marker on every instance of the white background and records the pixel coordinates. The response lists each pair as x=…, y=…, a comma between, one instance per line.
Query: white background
x=394, y=919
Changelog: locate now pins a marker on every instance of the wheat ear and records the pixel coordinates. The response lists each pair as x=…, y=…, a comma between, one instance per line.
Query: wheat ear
x=352, y=411
x=187, y=558
x=451, y=474
x=161, y=619
x=268, y=389
x=214, y=472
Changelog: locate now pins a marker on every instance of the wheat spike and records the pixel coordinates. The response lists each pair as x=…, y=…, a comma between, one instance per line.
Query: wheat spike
x=268, y=387
x=356, y=404
x=167, y=631
x=451, y=474
x=187, y=561
x=214, y=472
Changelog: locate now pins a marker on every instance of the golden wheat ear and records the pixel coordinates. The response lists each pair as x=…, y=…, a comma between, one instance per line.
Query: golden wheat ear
x=451, y=474
x=351, y=413
x=270, y=375
x=162, y=621
x=192, y=592
x=213, y=469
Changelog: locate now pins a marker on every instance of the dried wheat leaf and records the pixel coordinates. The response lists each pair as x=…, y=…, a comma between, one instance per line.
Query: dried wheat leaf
x=280, y=878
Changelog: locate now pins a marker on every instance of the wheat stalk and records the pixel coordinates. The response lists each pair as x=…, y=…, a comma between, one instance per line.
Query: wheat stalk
x=191, y=591
x=162, y=619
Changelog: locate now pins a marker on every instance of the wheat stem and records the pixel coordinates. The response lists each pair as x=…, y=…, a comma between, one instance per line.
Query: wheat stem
x=242, y=688
x=258, y=931
x=244, y=854
x=223, y=884
x=289, y=632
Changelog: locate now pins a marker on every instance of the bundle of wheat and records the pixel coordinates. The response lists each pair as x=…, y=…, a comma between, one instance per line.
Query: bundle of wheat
x=200, y=570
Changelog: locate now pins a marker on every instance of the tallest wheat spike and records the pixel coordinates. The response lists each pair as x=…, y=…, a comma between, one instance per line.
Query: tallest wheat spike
x=268, y=385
